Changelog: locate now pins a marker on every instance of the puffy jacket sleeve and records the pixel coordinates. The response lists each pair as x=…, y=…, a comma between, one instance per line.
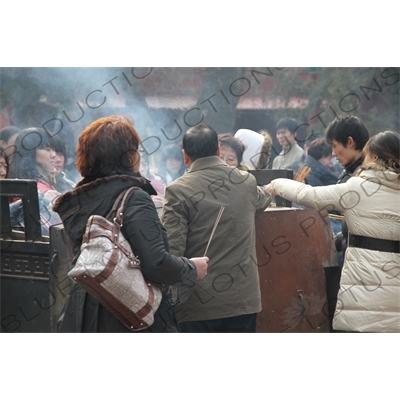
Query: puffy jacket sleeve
x=147, y=236
x=333, y=197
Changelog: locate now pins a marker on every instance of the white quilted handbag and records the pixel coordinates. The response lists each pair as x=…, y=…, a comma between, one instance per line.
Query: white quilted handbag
x=109, y=271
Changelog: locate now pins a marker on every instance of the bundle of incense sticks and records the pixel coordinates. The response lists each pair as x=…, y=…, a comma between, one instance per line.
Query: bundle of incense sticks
x=334, y=216
x=214, y=228
x=302, y=173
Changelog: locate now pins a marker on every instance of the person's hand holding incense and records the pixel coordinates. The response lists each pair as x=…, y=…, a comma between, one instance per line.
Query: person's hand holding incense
x=201, y=266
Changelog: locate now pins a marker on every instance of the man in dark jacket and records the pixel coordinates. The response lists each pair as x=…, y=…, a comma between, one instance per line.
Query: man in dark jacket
x=347, y=134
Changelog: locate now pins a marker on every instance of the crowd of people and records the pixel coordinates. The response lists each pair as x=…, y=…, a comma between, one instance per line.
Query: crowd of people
x=369, y=294
x=352, y=173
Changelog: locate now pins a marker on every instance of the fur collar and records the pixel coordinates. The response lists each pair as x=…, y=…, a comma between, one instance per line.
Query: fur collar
x=88, y=184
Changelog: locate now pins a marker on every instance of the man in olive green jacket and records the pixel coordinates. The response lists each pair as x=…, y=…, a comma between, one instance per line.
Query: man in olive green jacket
x=228, y=298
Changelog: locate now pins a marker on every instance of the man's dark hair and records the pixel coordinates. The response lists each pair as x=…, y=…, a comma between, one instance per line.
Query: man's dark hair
x=7, y=132
x=200, y=141
x=287, y=123
x=344, y=126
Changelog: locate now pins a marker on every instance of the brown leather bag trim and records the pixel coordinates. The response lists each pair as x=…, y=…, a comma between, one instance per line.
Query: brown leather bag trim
x=109, y=268
x=111, y=230
x=118, y=213
x=149, y=305
x=112, y=214
x=146, y=309
x=130, y=319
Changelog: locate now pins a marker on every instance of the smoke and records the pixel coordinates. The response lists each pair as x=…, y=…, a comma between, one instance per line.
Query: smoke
x=65, y=100
x=163, y=102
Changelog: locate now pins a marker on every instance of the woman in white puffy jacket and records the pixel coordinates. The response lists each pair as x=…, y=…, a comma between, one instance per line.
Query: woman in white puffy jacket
x=369, y=294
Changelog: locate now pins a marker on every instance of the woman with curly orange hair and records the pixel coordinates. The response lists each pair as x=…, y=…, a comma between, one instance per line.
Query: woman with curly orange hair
x=108, y=159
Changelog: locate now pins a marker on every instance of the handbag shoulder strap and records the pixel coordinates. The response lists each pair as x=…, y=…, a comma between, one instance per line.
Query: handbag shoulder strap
x=118, y=207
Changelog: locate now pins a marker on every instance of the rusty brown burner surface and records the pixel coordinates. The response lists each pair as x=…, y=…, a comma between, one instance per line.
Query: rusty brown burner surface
x=293, y=248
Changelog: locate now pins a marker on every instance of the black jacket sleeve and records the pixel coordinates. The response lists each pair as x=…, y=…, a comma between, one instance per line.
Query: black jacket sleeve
x=147, y=237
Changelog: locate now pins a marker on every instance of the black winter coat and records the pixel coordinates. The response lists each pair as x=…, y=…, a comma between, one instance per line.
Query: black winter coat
x=348, y=170
x=347, y=173
x=147, y=237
